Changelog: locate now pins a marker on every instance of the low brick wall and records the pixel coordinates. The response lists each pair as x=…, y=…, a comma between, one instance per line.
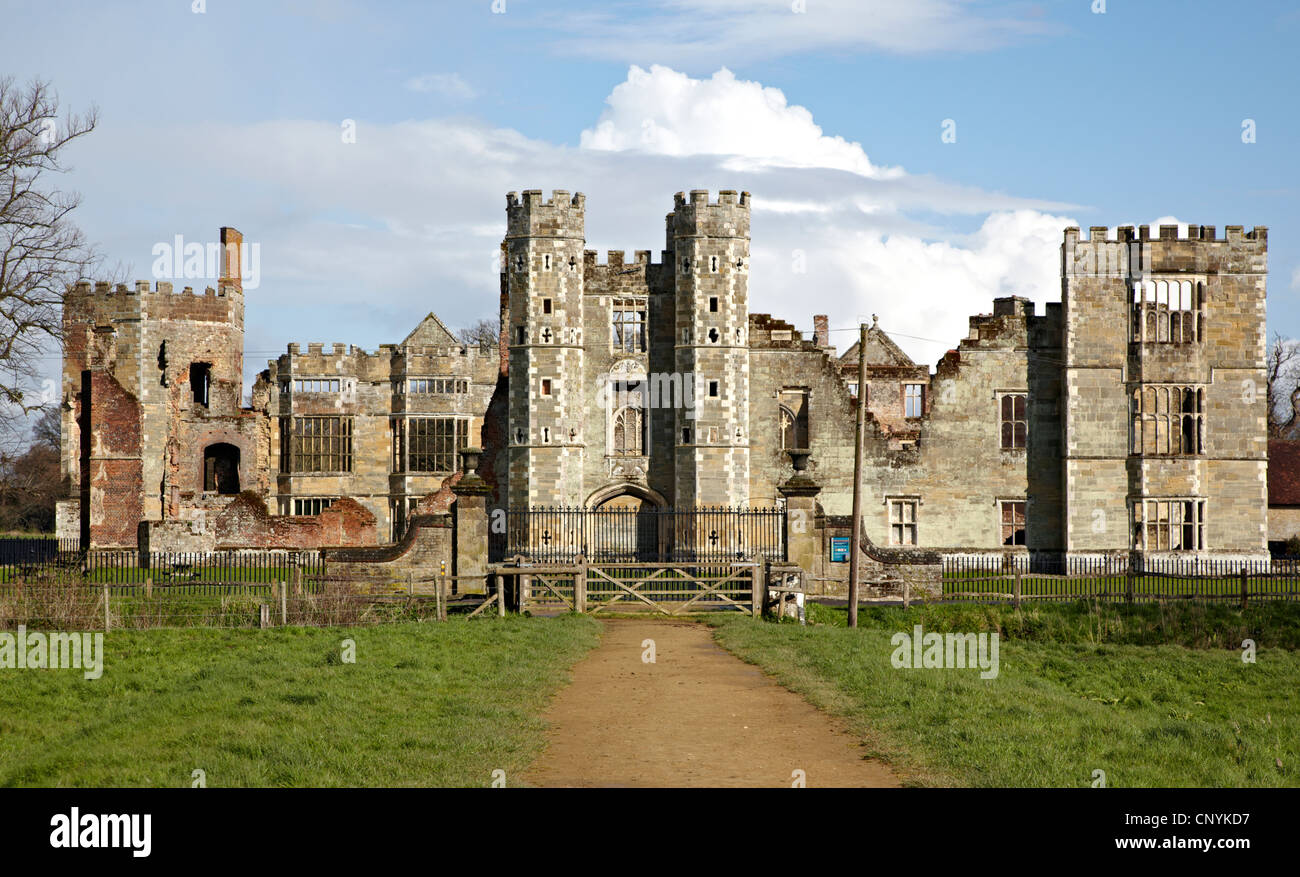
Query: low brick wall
x=244, y=522
x=424, y=551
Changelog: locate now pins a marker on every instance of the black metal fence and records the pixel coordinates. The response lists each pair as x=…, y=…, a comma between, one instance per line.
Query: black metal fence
x=38, y=560
x=1137, y=578
x=646, y=535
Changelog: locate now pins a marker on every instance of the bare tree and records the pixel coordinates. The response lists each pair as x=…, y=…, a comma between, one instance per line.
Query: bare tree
x=486, y=331
x=1283, y=368
x=41, y=251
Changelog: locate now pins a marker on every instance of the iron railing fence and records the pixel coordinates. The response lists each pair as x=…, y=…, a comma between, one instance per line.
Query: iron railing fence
x=646, y=535
x=1118, y=577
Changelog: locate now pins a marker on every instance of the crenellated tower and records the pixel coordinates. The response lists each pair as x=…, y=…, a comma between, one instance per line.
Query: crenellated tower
x=709, y=251
x=544, y=270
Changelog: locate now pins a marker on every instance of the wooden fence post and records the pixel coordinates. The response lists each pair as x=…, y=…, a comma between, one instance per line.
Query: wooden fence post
x=284, y=605
x=107, y=620
x=580, y=587
x=264, y=615
x=907, y=593
x=440, y=598
x=297, y=581
x=148, y=587
x=1128, y=584
x=1015, y=588
x=501, y=604
x=1244, y=591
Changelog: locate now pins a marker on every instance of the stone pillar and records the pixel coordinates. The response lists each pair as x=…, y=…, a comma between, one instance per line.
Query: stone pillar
x=471, y=520
x=802, y=538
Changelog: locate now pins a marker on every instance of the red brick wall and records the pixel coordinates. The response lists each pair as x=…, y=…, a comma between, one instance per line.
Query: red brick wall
x=114, y=470
x=246, y=523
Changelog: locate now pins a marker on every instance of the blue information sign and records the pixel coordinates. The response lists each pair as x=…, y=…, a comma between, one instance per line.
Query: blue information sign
x=839, y=549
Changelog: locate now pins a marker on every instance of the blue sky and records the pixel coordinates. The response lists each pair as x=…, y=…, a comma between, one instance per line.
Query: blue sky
x=831, y=116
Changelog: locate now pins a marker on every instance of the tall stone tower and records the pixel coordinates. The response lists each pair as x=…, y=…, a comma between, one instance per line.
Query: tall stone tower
x=544, y=281
x=710, y=251
x=1165, y=432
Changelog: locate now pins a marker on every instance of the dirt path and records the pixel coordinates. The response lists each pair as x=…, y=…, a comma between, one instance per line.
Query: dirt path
x=698, y=716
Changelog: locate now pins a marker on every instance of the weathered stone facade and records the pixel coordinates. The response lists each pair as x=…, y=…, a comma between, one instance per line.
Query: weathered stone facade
x=1128, y=417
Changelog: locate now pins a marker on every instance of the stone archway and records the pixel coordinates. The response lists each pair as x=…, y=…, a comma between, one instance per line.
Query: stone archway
x=628, y=523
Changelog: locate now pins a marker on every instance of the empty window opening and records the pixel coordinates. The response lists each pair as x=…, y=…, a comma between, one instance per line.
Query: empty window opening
x=629, y=325
x=713, y=304
x=221, y=468
x=713, y=336
x=546, y=386
x=432, y=443
x=1169, y=525
x=1167, y=420
x=713, y=389
x=713, y=264
x=316, y=444
x=546, y=305
x=312, y=505
x=1013, y=522
x=200, y=380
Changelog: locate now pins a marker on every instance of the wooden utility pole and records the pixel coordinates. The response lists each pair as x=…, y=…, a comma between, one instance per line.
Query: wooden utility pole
x=857, y=476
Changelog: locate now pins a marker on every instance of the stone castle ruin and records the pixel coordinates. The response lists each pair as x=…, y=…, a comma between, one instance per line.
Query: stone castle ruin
x=1127, y=417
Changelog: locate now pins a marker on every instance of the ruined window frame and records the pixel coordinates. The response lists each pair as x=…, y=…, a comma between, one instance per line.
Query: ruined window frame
x=433, y=443
x=1166, y=310
x=1168, y=523
x=909, y=398
x=902, y=513
x=1013, y=431
x=628, y=325
x=310, y=506
x=319, y=444
x=1167, y=420
x=794, y=421
x=1017, y=525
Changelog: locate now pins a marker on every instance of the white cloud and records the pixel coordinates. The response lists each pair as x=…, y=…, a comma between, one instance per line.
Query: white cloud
x=664, y=112
x=690, y=32
x=448, y=85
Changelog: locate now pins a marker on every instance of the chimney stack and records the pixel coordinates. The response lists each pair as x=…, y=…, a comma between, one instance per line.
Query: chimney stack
x=232, y=273
x=821, y=330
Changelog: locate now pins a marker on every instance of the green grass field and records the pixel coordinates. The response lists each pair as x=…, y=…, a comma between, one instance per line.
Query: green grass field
x=1080, y=689
x=425, y=704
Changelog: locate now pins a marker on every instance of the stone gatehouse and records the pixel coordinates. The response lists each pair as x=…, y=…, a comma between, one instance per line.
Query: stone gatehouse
x=1128, y=416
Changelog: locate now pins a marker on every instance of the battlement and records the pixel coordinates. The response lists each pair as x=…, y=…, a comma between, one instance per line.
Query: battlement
x=86, y=289
x=700, y=198
x=1136, y=251
x=696, y=216
x=615, y=259
x=1128, y=234
x=559, y=216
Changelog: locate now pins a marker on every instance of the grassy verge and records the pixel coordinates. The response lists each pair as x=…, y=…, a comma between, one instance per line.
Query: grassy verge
x=423, y=705
x=1065, y=703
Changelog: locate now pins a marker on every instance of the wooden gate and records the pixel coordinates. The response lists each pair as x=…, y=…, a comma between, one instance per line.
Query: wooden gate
x=667, y=588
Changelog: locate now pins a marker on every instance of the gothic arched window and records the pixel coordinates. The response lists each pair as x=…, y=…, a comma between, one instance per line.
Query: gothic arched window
x=628, y=431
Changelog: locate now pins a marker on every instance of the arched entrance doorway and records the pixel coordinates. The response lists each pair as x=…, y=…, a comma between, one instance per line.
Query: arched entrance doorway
x=628, y=525
x=221, y=468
